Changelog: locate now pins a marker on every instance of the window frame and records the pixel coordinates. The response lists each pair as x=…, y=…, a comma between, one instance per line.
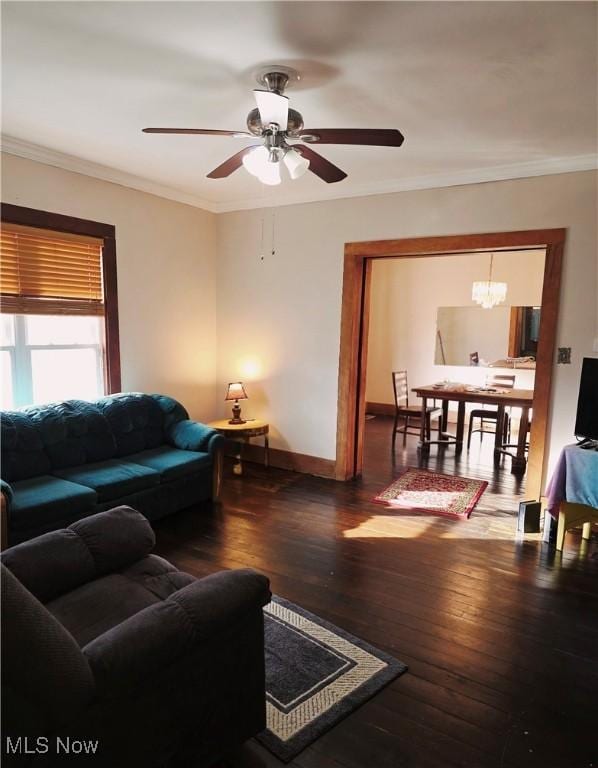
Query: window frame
x=21, y=359
x=17, y=214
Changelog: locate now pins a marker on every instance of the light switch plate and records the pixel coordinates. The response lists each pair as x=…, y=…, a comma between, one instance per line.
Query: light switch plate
x=564, y=356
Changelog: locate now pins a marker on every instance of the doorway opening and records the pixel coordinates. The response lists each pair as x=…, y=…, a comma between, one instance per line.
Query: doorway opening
x=355, y=323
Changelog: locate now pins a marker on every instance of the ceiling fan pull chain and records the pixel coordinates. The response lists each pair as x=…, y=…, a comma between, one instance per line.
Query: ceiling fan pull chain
x=262, y=240
x=274, y=232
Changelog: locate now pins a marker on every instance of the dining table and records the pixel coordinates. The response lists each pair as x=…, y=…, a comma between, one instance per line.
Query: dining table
x=500, y=399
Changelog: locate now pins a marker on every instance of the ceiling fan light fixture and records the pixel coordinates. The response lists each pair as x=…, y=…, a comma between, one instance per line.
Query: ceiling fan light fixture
x=270, y=174
x=296, y=164
x=255, y=160
x=262, y=164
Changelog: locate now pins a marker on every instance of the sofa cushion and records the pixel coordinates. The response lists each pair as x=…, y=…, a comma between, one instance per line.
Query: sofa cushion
x=171, y=463
x=172, y=410
x=112, y=479
x=95, y=607
x=44, y=499
x=23, y=453
x=98, y=605
x=73, y=432
x=136, y=421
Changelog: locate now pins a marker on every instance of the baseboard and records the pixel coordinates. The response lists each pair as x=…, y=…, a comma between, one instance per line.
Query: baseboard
x=296, y=462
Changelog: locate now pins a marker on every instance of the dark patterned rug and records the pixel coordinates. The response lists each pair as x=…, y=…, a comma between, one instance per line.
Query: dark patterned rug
x=316, y=674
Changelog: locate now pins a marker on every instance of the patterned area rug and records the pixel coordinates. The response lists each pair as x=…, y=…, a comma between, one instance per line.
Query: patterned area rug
x=316, y=674
x=419, y=490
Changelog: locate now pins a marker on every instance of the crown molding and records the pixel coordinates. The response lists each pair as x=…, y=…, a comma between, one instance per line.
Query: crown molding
x=436, y=181
x=14, y=146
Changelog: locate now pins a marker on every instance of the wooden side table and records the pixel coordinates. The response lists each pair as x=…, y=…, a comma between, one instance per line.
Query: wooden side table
x=242, y=433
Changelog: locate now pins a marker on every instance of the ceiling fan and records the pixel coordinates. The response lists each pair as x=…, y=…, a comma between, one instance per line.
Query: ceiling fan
x=276, y=124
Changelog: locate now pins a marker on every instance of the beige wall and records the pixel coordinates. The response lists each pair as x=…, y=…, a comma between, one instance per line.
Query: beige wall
x=286, y=309
x=405, y=297
x=166, y=276
x=278, y=318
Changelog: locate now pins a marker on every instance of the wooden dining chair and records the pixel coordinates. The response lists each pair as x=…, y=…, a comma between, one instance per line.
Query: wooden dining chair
x=408, y=412
x=509, y=444
x=496, y=381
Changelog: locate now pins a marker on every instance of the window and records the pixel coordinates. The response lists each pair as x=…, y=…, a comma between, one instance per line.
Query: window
x=58, y=321
x=47, y=358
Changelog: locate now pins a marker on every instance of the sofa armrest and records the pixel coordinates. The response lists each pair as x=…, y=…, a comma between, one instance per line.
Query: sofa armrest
x=57, y=562
x=6, y=492
x=192, y=436
x=128, y=656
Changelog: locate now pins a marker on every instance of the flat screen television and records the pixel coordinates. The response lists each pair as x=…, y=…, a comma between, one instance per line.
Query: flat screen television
x=586, y=423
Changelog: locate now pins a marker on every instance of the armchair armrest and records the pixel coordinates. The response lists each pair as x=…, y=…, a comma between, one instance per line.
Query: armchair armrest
x=57, y=562
x=192, y=436
x=129, y=655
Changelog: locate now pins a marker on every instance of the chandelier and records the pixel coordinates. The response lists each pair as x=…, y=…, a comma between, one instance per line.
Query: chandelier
x=487, y=292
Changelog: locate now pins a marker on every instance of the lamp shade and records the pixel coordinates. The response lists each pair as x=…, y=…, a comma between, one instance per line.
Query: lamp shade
x=236, y=391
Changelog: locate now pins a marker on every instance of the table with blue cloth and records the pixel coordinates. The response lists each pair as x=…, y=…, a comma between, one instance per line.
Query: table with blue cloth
x=572, y=493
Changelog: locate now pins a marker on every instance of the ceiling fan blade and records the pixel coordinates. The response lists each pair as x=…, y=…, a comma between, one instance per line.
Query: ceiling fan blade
x=273, y=108
x=229, y=166
x=370, y=136
x=200, y=131
x=323, y=168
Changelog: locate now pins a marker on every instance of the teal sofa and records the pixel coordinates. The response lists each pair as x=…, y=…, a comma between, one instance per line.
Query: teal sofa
x=65, y=461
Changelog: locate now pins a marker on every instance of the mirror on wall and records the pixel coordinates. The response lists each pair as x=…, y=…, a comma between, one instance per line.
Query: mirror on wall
x=499, y=337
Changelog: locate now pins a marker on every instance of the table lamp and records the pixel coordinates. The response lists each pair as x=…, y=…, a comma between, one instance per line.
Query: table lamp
x=236, y=392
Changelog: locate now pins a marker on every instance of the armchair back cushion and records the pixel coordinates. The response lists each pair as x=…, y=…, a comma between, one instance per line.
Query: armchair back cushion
x=58, y=562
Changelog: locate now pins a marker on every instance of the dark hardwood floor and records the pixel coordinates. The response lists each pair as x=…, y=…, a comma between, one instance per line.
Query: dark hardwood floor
x=501, y=636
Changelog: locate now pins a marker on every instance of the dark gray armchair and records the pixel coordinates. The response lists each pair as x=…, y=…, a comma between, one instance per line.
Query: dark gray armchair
x=106, y=644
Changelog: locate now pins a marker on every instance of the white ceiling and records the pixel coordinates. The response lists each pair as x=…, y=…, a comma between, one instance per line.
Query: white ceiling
x=480, y=90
